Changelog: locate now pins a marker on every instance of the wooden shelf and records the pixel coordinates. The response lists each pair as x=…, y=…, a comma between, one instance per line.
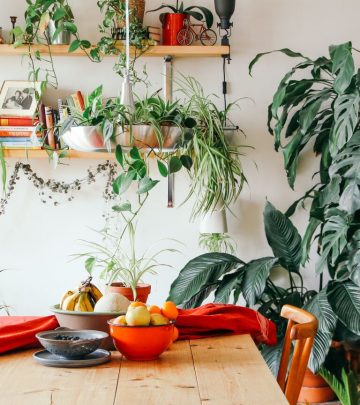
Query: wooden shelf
x=153, y=51
x=41, y=154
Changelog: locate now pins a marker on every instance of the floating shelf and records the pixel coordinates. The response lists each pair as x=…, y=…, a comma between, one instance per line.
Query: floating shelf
x=153, y=51
x=42, y=154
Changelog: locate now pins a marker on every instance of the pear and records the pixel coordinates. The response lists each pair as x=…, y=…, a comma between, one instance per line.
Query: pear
x=158, y=319
x=139, y=316
x=120, y=320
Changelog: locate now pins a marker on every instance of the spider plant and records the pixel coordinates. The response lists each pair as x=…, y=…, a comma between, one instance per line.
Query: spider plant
x=217, y=243
x=119, y=263
x=345, y=389
x=217, y=176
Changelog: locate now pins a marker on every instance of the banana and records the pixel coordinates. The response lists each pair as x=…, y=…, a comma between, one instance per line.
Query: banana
x=95, y=292
x=69, y=303
x=66, y=295
x=88, y=304
x=80, y=304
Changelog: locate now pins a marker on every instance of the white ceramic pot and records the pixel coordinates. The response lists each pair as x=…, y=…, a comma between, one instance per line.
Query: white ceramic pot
x=84, y=139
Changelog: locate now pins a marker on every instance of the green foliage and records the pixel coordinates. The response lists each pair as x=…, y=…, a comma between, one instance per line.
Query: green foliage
x=217, y=243
x=345, y=389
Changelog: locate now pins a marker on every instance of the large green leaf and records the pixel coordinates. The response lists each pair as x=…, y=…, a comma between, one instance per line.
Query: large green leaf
x=344, y=298
x=342, y=66
x=256, y=275
x=346, y=114
x=228, y=284
x=272, y=356
x=200, y=272
x=283, y=238
x=321, y=308
x=333, y=238
x=197, y=299
x=307, y=239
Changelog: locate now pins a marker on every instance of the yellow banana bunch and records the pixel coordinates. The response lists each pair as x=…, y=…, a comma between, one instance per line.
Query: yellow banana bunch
x=81, y=299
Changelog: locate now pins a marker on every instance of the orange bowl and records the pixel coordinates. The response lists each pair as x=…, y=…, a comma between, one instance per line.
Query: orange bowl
x=141, y=343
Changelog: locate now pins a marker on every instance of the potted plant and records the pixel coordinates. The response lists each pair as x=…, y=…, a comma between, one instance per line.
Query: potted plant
x=174, y=22
x=156, y=124
x=122, y=267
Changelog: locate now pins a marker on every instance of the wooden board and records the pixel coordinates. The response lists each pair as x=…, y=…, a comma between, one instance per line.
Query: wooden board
x=231, y=371
x=153, y=51
x=170, y=380
x=41, y=154
x=23, y=381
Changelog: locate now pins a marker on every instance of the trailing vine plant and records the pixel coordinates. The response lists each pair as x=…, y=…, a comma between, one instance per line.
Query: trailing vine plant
x=48, y=187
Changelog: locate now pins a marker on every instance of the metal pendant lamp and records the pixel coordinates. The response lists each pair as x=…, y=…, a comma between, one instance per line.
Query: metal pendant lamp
x=127, y=96
x=225, y=9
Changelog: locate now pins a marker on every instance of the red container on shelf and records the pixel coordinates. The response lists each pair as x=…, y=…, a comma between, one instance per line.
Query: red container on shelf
x=173, y=23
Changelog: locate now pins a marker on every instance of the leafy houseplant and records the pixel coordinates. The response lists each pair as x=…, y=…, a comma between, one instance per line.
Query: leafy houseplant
x=217, y=177
x=120, y=264
x=324, y=109
x=173, y=22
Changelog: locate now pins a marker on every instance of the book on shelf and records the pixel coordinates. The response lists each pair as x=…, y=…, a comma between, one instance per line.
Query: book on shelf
x=49, y=116
x=18, y=132
x=18, y=122
x=155, y=37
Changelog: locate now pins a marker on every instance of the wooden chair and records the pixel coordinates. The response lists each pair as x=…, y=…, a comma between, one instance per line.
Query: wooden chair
x=302, y=327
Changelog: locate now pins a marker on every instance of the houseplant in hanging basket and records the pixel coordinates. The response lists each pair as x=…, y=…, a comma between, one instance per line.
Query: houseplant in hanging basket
x=173, y=22
x=156, y=124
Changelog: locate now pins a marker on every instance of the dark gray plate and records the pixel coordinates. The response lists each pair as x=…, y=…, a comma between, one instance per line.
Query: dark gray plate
x=93, y=359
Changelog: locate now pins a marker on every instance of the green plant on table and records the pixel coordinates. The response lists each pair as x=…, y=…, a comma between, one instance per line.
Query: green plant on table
x=119, y=263
x=202, y=13
x=217, y=176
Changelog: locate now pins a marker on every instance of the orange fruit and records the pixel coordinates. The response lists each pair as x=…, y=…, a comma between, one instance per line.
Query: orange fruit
x=136, y=304
x=175, y=334
x=154, y=309
x=169, y=310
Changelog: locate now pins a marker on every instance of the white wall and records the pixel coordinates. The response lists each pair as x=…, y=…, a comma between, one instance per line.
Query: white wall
x=36, y=240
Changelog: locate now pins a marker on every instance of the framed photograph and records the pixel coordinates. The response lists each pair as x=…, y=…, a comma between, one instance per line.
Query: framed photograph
x=17, y=98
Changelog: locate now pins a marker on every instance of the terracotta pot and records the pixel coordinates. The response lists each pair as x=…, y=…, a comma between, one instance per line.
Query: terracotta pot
x=173, y=23
x=142, y=291
x=315, y=389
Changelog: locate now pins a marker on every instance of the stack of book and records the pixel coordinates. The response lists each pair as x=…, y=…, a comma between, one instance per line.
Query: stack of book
x=19, y=133
x=155, y=34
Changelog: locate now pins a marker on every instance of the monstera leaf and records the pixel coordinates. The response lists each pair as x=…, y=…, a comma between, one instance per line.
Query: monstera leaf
x=283, y=238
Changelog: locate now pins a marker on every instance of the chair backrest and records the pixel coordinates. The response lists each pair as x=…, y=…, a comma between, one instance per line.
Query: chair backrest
x=302, y=327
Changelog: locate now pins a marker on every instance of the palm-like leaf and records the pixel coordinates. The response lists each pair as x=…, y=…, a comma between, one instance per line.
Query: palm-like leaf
x=272, y=356
x=228, y=284
x=342, y=66
x=256, y=275
x=201, y=272
x=344, y=298
x=283, y=238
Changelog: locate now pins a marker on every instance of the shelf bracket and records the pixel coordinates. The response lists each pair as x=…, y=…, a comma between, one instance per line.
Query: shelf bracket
x=168, y=94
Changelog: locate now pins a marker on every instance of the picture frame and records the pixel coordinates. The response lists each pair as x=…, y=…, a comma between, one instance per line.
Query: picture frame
x=17, y=98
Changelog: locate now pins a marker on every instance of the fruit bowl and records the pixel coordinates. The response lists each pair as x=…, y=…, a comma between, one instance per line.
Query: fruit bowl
x=141, y=343
x=71, y=344
x=86, y=320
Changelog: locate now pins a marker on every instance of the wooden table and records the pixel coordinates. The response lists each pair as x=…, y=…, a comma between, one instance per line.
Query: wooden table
x=218, y=371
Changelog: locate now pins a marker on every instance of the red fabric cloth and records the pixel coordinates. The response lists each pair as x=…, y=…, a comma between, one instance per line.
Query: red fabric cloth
x=19, y=331
x=220, y=319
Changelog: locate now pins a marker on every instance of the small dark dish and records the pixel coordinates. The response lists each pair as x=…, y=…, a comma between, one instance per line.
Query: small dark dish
x=71, y=344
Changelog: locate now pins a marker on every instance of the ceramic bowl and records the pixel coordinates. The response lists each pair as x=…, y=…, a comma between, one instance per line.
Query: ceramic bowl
x=87, y=342
x=141, y=343
x=86, y=320
x=84, y=139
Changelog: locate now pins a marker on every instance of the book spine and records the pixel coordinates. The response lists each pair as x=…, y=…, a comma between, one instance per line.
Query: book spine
x=50, y=127
x=16, y=134
x=18, y=129
x=22, y=147
x=19, y=122
x=76, y=102
x=18, y=140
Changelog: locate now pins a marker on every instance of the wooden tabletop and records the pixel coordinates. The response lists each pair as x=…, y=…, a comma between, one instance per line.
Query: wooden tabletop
x=219, y=371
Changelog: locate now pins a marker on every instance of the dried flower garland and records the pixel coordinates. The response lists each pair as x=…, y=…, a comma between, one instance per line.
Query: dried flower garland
x=47, y=187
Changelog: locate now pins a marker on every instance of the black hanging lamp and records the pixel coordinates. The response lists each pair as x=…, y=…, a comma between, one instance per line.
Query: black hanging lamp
x=225, y=9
